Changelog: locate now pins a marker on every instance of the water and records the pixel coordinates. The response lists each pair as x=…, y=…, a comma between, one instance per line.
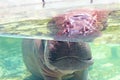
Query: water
x=105, y=67
x=105, y=52
x=11, y=63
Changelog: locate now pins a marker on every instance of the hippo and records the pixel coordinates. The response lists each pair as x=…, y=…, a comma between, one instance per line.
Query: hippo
x=57, y=60
x=61, y=60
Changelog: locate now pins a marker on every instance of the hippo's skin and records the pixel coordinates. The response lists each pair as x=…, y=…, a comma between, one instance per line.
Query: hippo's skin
x=54, y=60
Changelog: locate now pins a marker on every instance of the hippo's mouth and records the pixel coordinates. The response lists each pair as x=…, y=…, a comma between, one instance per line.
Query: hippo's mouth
x=64, y=57
x=71, y=63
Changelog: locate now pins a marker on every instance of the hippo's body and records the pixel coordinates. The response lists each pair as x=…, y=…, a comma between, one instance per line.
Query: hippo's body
x=53, y=60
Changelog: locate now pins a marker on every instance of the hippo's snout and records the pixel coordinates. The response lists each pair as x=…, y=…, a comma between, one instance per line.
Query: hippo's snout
x=69, y=55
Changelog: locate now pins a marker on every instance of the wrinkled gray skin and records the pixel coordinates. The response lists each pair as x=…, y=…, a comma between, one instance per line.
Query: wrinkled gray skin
x=55, y=60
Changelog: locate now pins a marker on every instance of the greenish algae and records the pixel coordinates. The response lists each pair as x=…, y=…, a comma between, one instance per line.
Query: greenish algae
x=29, y=27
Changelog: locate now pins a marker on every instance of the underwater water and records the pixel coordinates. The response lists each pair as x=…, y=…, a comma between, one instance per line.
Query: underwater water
x=106, y=61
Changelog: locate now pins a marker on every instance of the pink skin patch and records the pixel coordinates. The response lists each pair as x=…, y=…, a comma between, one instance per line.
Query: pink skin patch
x=82, y=22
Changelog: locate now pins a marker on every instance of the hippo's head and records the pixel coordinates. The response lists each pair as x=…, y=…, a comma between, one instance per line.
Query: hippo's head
x=83, y=24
